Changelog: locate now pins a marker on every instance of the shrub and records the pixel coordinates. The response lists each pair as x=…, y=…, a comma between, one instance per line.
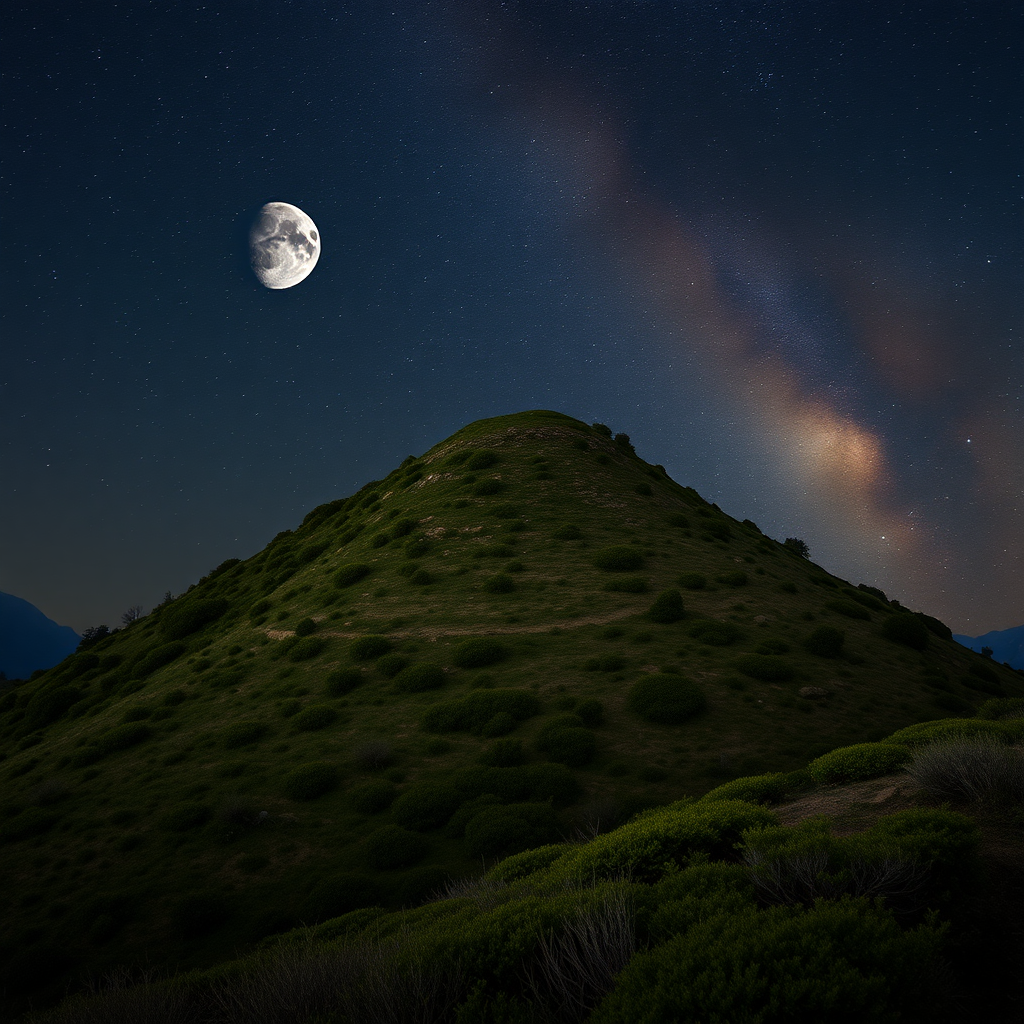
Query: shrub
x=343, y=680
x=849, y=609
x=504, y=754
x=666, y=699
x=500, y=584
x=619, y=558
x=307, y=648
x=678, y=520
x=478, y=652
x=668, y=607
x=826, y=642
x=315, y=716
x=472, y=712
x=365, y=647
x=627, y=585
x=717, y=634
x=766, y=667
x=309, y=781
x=500, y=724
x=373, y=797
x=392, y=846
x=907, y=629
x=736, y=578
x=572, y=746
x=305, y=627
x=568, y=532
x=426, y=805
x=351, y=573
x=122, y=737
x=860, y=761
x=644, y=489
x=482, y=460
x=693, y=581
x=189, y=616
x=837, y=961
x=502, y=830
x=969, y=768
x=1002, y=707
x=185, y=816
x=157, y=658
x=242, y=734
x=49, y=705
x=755, y=789
x=419, y=678
x=590, y=712
x=390, y=665
x=488, y=487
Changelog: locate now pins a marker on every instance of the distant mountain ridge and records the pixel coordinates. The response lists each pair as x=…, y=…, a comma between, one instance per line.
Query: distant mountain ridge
x=29, y=640
x=1007, y=644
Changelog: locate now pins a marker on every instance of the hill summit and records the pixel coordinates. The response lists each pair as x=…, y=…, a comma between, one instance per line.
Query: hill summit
x=526, y=633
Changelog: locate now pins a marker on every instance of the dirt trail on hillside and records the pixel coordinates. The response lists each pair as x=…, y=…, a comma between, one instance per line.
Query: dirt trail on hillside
x=424, y=633
x=854, y=806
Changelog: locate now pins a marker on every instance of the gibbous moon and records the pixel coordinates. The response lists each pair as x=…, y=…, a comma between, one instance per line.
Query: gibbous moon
x=284, y=245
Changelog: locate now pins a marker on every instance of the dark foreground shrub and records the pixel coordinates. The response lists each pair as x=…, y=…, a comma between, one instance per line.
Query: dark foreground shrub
x=498, y=831
x=500, y=584
x=826, y=642
x=619, y=558
x=426, y=805
x=736, y=578
x=780, y=964
x=472, y=712
x=186, y=617
x=969, y=768
x=477, y=652
x=568, y=532
x=666, y=699
x=48, y=705
x=365, y=647
x=305, y=627
x=756, y=789
x=566, y=741
x=907, y=629
x=860, y=761
x=309, y=781
x=392, y=846
x=351, y=573
x=767, y=667
x=714, y=633
x=314, y=717
x=693, y=581
x=307, y=648
x=391, y=664
x=668, y=607
x=850, y=609
x=157, y=658
x=506, y=753
x=373, y=797
x=122, y=737
x=419, y=678
x=343, y=680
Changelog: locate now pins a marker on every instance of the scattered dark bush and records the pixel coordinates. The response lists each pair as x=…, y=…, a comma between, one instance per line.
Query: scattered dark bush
x=478, y=652
x=936, y=626
x=718, y=531
x=314, y=717
x=498, y=831
x=606, y=663
x=186, y=616
x=185, y=817
x=373, y=797
x=174, y=697
x=488, y=487
x=1004, y=707
x=121, y=737
x=590, y=712
x=305, y=627
x=307, y=648
x=679, y=521
x=627, y=585
x=849, y=609
x=755, y=789
x=769, y=668
x=419, y=678
x=343, y=680
x=403, y=528
x=505, y=753
x=505, y=511
x=392, y=846
x=157, y=658
x=500, y=724
x=826, y=642
x=351, y=573
x=568, y=532
x=482, y=460
x=422, y=578
x=666, y=699
x=309, y=781
x=717, y=634
x=860, y=761
x=426, y=805
x=736, y=578
x=365, y=647
x=969, y=768
x=644, y=489
x=693, y=581
x=619, y=558
x=572, y=746
x=500, y=584
x=390, y=665
x=379, y=540
x=242, y=734
x=473, y=712
x=48, y=705
x=907, y=629
x=668, y=607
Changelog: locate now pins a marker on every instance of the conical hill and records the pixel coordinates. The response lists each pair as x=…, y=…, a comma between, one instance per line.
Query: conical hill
x=525, y=631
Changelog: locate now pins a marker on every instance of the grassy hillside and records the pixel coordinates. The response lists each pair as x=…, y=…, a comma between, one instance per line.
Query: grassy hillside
x=527, y=631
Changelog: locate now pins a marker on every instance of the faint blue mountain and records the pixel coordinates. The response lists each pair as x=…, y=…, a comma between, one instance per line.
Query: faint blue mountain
x=1007, y=644
x=29, y=640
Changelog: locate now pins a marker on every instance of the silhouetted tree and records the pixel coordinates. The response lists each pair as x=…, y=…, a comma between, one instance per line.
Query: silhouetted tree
x=93, y=635
x=133, y=614
x=797, y=545
x=986, y=652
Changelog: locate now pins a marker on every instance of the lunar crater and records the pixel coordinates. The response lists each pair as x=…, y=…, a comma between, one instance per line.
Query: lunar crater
x=284, y=245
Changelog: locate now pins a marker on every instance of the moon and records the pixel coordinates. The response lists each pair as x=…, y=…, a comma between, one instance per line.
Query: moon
x=284, y=245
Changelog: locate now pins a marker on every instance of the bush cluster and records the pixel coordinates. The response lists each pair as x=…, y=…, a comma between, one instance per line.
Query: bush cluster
x=714, y=633
x=502, y=583
x=849, y=608
x=769, y=668
x=477, y=652
x=373, y=797
x=472, y=712
x=392, y=846
x=693, y=581
x=736, y=578
x=974, y=768
x=419, y=678
x=501, y=830
x=426, y=805
x=351, y=573
x=307, y=648
x=667, y=607
x=342, y=681
x=314, y=717
x=666, y=699
x=185, y=617
x=825, y=642
x=907, y=629
x=309, y=781
x=860, y=761
x=364, y=648
x=243, y=734
x=619, y=558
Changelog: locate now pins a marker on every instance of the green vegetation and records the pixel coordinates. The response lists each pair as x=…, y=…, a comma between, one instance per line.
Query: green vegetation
x=666, y=699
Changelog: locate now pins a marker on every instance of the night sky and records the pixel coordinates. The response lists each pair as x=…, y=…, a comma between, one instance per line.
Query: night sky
x=778, y=244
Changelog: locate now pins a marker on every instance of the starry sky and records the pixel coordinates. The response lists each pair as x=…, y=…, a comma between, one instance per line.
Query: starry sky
x=779, y=244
